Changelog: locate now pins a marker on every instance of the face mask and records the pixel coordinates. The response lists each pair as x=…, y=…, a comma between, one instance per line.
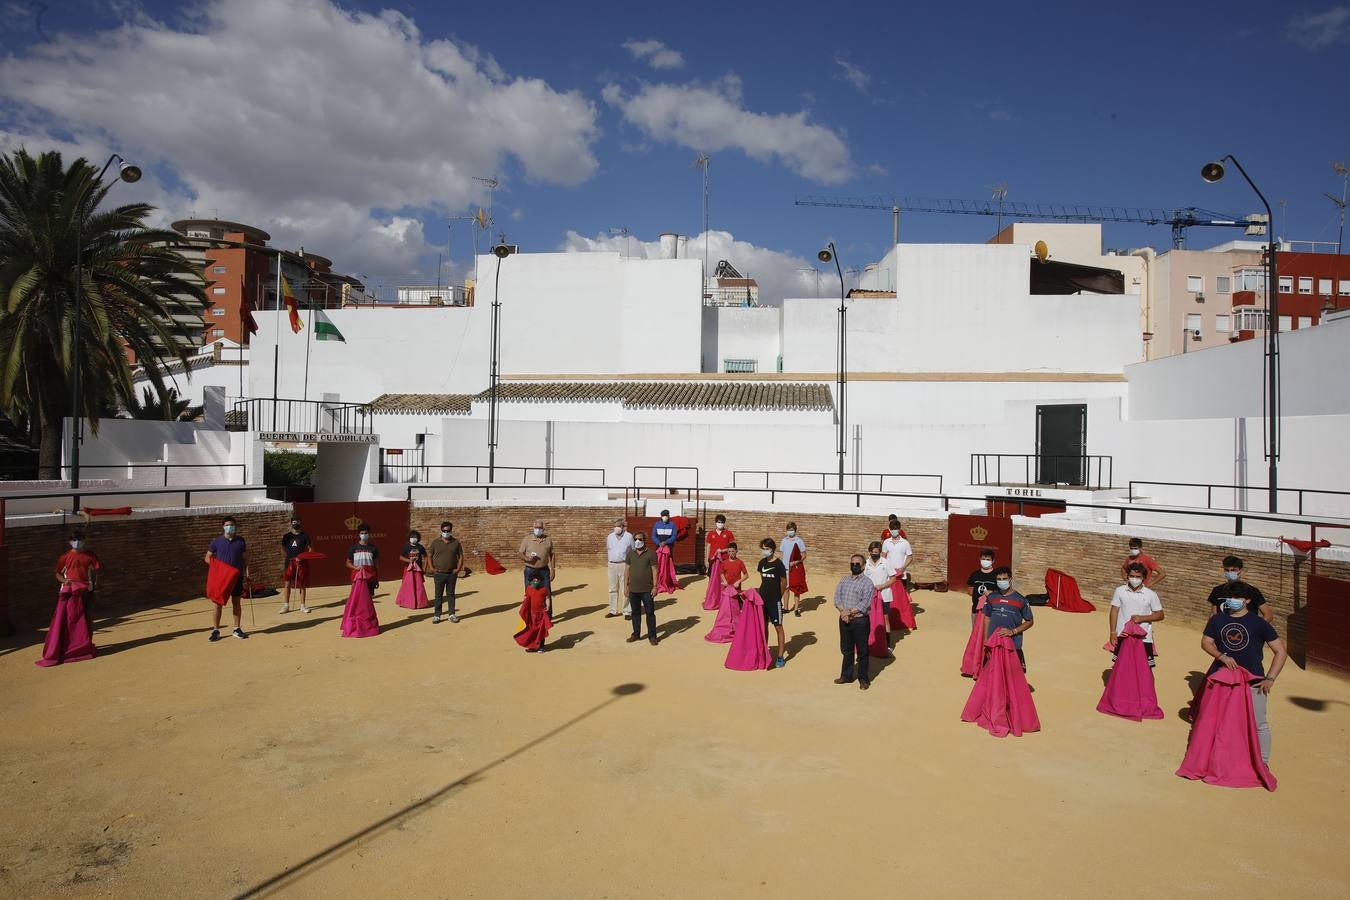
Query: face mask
x=445, y=534
x=229, y=529
x=536, y=584
x=639, y=544
x=364, y=537
x=539, y=532
x=75, y=545
x=414, y=541
x=1232, y=604
x=792, y=532
x=986, y=565
x=1135, y=551
x=618, y=530
x=1135, y=581
x=766, y=553
x=1232, y=576
x=665, y=518
x=1003, y=584
x=855, y=568
x=876, y=555
x=720, y=526
x=295, y=526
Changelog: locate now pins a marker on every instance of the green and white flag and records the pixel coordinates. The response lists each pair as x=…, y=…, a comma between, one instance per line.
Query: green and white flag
x=325, y=330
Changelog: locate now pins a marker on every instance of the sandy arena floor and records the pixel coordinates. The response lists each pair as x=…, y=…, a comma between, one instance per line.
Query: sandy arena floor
x=445, y=761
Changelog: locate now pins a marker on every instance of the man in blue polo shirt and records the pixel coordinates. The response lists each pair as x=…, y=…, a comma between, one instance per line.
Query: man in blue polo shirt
x=664, y=532
x=229, y=548
x=1008, y=612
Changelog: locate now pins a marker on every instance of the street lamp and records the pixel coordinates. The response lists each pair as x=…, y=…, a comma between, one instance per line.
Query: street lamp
x=130, y=173
x=1212, y=172
x=841, y=379
x=501, y=251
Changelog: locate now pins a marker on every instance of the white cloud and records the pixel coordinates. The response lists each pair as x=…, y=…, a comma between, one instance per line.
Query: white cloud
x=322, y=126
x=713, y=117
x=1317, y=31
x=854, y=75
x=878, y=170
x=655, y=54
x=1000, y=115
x=778, y=273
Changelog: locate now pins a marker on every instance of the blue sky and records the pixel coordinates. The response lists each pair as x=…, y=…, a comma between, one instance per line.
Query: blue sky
x=356, y=131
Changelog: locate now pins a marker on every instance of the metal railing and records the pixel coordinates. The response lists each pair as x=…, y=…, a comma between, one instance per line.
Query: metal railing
x=316, y=416
x=666, y=491
x=827, y=477
x=7, y=473
x=1075, y=470
x=403, y=473
x=76, y=496
x=1261, y=492
x=1120, y=513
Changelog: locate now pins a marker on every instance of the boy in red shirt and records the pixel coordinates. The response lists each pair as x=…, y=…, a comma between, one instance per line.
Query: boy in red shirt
x=733, y=569
x=1155, y=573
x=719, y=538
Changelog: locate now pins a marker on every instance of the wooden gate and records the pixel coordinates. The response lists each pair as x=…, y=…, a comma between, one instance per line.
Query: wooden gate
x=1329, y=624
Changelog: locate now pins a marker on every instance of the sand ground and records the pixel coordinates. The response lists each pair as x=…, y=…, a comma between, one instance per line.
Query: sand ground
x=443, y=760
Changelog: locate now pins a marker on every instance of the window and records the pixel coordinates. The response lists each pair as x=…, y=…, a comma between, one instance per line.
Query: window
x=1250, y=280
x=1324, y=286
x=1286, y=284
x=1195, y=284
x=1192, y=322
x=739, y=365
x=1221, y=284
x=217, y=290
x=1304, y=285
x=1305, y=321
x=1250, y=319
x=218, y=270
x=218, y=332
x=218, y=311
x=1286, y=323
x=1222, y=324
x=1345, y=288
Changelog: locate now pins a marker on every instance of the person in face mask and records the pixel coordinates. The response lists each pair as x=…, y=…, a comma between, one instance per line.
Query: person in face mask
x=793, y=550
x=231, y=550
x=617, y=544
x=536, y=550
x=718, y=539
x=295, y=571
x=640, y=563
x=981, y=582
x=447, y=565
x=70, y=639
x=1155, y=572
x=1137, y=603
x=1237, y=639
x=664, y=532
x=1232, y=575
x=1007, y=612
x=853, y=600
x=772, y=577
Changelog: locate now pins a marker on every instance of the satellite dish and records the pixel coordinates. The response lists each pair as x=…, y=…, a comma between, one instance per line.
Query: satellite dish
x=1042, y=251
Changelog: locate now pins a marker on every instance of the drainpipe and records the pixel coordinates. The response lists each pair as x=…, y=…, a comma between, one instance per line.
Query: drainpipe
x=1147, y=254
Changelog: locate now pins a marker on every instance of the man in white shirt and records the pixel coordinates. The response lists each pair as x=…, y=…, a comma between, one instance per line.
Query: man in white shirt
x=617, y=545
x=879, y=569
x=1133, y=601
x=899, y=554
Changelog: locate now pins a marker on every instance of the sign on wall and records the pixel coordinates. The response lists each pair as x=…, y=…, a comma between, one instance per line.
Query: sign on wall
x=332, y=530
x=967, y=536
x=317, y=437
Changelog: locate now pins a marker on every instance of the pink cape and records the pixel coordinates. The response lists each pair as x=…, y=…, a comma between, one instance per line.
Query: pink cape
x=728, y=611
x=902, y=611
x=713, y=598
x=749, y=650
x=220, y=579
x=535, y=623
x=358, y=617
x=68, y=638
x=878, y=641
x=1129, y=691
x=1223, y=747
x=412, y=594
x=1001, y=701
x=974, y=654
x=666, y=582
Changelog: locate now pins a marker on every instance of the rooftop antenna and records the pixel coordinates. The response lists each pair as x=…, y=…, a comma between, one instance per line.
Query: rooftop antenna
x=1000, y=193
x=703, y=160
x=492, y=184
x=623, y=230
x=1342, y=169
x=1284, y=219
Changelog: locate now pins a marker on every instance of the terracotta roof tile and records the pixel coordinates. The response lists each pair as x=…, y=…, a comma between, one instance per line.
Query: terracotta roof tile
x=671, y=394
x=443, y=404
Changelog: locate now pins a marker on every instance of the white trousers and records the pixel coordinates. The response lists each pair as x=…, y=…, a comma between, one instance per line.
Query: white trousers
x=618, y=587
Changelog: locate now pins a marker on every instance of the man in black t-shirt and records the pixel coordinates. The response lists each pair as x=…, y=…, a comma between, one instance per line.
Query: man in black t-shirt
x=981, y=581
x=294, y=571
x=1237, y=639
x=1232, y=574
x=772, y=582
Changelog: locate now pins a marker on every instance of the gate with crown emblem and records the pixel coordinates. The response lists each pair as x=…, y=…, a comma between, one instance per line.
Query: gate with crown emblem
x=967, y=536
x=332, y=530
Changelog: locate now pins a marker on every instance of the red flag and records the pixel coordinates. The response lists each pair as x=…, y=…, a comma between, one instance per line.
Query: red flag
x=292, y=307
x=220, y=579
x=493, y=567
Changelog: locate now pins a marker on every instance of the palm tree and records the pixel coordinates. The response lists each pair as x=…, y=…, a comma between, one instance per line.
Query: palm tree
x=133, y=287
x=166, y=407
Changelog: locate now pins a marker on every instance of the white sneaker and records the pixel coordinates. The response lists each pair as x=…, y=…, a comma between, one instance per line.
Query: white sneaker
x=285, y=608
x=304, y=609
x=435, y=620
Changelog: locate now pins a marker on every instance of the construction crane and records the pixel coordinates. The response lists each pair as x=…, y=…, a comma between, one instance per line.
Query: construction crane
x=1180, y=219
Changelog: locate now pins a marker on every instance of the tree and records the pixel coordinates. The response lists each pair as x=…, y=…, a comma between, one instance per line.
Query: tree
x=166, y=407
x=134, y=285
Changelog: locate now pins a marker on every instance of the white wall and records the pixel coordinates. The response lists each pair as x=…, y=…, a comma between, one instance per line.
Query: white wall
x=123, y=442
x=343, y=469
x=741, y=332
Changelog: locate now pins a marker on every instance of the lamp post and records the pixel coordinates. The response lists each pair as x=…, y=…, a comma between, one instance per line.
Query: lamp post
x=130, y=174
x=1212, y=172
x=841, y=377
x=501, y=251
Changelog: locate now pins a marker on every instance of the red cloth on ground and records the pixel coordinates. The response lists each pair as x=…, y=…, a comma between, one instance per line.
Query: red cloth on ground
x=749, y=650
x=412, y=594
x=358, y=616
x=297, y=572
x=1223, y=748
x=1129, y=691
x=666, y=582
x=106, y=511
x=490, y=564
x=220, y=581
x=902, y=610
x=1000, y=702
x=1064, y=594
x=728, y=612
x=796, y=574
x=973, y=656
x=878, y=640
x=712, y=598
x=534, y=625
x=68, y=637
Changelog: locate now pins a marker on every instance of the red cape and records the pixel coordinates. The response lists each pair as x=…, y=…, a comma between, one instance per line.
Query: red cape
x=220, y=580
x=1223, y=748
x=412, y=593
x=666, y=582
x=534, y=624
x=902, y=611
x=68, y=638
x=490, y=564
x=796, y=574
x=1130, y=692
x=749, y=650
x=1064, y=594
x=973, y=656
x=358, y=616
x=878, y=641
x=712, y=598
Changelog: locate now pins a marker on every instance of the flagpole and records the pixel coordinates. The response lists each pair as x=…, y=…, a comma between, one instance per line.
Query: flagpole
x=309, y=338
x=276, y=346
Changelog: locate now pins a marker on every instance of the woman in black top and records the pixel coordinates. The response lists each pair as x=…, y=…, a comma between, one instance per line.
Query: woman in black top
x=413, y=551
x=772, y=581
